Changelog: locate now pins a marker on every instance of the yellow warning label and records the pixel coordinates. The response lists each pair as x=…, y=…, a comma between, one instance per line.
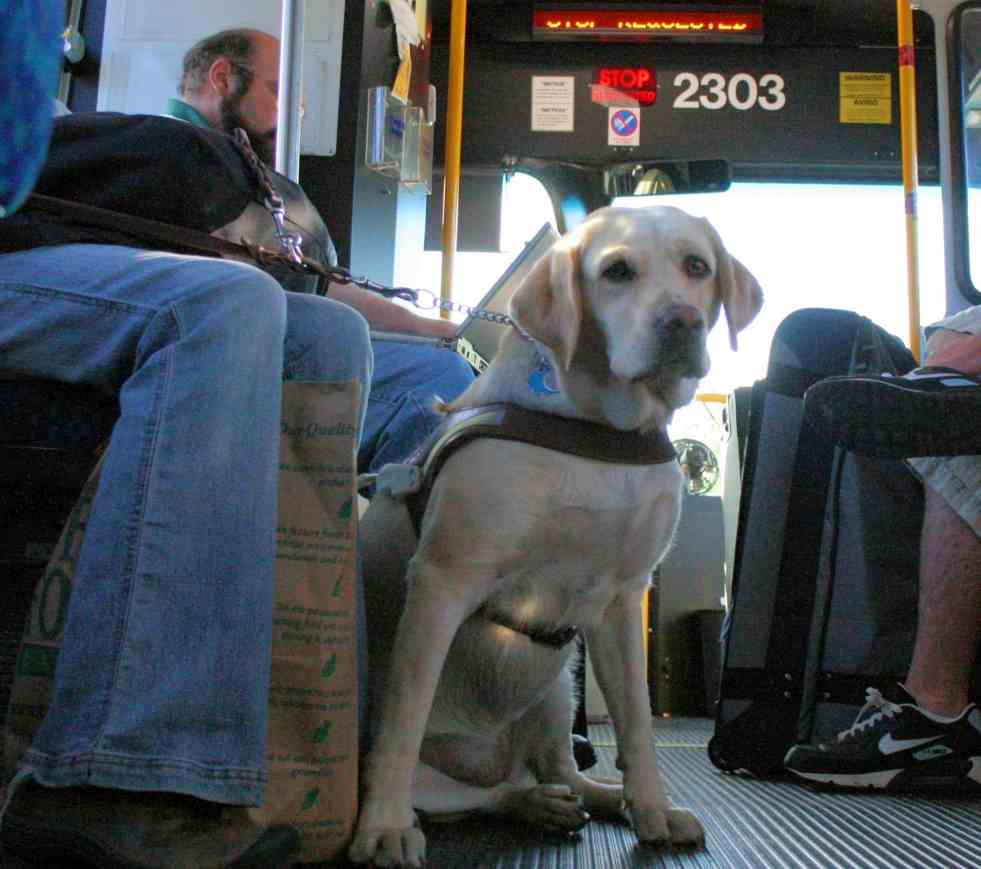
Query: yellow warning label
x=865, y=97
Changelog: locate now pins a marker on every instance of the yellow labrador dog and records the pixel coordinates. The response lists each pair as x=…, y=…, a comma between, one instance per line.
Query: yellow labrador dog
x=610, y=327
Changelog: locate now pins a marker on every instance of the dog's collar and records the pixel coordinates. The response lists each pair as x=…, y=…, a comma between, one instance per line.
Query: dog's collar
x=556, y=639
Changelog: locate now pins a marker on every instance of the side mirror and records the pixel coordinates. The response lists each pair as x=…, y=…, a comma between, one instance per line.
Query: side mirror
x=653, y=177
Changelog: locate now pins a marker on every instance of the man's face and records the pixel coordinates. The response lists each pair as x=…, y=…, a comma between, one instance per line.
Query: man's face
x=255, y=108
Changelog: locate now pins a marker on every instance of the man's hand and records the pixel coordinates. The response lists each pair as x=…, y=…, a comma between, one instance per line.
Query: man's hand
x=387, y=316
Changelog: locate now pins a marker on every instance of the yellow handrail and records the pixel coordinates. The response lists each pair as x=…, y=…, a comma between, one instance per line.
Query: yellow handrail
x=712, y=397
x=454, y=136
x=907, y=101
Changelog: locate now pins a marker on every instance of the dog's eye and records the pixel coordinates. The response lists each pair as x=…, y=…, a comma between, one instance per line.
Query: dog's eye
x=619, y=271
x=696, y=267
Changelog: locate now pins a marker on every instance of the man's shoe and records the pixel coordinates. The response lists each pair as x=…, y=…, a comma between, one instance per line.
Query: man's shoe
x=896, y=746
x=930, y=411
x=112, y=829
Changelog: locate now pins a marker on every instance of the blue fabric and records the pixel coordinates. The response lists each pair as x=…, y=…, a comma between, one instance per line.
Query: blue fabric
x=408, y=377
x=29, y=56
x=163, y=677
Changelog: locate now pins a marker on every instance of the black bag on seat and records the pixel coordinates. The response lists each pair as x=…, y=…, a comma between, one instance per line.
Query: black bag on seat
x=826, y=557
x=166, y=170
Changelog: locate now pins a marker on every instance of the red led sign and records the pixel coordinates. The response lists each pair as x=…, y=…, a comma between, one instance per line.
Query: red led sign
x=612, y=83
x=679, y=23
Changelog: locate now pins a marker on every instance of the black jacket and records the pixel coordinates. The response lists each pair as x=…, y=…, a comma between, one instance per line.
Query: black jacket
x=167, y=170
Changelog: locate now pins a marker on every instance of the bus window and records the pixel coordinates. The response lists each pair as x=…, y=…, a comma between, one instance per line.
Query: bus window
x=810, y=246
x=526, y=207
x=816, y=246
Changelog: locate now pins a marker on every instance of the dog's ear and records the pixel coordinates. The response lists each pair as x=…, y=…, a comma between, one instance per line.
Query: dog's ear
x=741, y=293
x=742, y=297
x=548, y=304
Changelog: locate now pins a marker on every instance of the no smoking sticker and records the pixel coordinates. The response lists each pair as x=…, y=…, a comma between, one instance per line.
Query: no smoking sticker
x=624, y=126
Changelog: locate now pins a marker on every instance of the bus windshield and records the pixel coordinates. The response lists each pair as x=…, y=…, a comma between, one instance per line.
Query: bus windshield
x=809, y=245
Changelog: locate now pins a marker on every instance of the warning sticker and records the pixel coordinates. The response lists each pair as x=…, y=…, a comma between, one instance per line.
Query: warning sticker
x=865, y=97
x=553, y=103
x=624, y=126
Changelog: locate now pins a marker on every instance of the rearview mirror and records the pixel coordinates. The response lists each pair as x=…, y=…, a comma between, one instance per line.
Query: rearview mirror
x=653, y=177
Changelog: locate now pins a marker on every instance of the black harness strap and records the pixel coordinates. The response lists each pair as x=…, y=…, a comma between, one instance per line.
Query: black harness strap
x=510, y=422
x=574, y=437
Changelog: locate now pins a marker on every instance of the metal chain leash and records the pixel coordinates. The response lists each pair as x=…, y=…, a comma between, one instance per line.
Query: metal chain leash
x=291, y=254
x=425, y=300
x=291, y=246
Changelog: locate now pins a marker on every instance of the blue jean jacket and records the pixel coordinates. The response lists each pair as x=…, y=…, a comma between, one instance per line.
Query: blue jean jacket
x=29, y=52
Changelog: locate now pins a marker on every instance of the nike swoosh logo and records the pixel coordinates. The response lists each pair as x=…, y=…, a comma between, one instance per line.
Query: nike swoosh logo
x=888, y=745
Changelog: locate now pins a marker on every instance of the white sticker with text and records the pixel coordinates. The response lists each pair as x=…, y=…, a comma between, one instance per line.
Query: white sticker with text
x=553, y=103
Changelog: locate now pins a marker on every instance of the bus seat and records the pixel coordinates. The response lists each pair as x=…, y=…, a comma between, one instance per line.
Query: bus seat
x=49, y=438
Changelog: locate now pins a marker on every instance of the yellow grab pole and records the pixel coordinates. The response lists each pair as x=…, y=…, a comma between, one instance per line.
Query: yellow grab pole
x=454, y=134
x=907, y=101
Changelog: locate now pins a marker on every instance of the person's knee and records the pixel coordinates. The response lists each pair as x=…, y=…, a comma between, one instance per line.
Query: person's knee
x=450, y=374
x=458, y=371
x=422, y=369
x=252, y=311
x=325, y=340
x=951, y=349
x=226, y=314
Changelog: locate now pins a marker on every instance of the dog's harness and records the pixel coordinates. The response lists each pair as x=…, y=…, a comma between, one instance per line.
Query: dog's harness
x=414, y=480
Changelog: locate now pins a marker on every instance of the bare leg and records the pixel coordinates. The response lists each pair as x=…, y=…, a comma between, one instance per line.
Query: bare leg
x=949, y=610
x=950, y=573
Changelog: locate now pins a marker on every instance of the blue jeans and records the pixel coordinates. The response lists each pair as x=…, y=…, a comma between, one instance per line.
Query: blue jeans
x=408, y=377
x=163, y=677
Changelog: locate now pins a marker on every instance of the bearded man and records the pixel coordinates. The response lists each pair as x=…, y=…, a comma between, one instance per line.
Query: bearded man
x=231, y=79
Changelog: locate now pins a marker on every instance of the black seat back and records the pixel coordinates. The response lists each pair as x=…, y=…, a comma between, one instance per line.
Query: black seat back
x=49, y=438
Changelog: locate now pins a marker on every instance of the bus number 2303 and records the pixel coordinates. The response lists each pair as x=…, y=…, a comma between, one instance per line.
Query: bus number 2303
x=742, y=91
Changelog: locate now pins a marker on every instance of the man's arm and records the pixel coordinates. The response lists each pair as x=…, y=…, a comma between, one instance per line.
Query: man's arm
x=386, y=315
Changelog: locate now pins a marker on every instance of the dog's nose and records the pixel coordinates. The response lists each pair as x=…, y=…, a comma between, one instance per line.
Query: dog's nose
x=680, y=331
x=681, y=316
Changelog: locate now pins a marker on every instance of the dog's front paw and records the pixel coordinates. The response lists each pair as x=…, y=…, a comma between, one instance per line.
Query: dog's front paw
x=685, y=829
x=389, y=846
x=677, y=827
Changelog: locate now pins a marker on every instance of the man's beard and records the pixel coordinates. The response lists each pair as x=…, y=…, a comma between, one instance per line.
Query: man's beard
x=264, y=144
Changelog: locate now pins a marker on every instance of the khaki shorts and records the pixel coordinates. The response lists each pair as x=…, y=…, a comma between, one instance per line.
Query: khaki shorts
x=956, y=478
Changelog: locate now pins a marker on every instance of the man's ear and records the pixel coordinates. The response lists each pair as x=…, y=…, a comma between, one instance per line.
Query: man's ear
x=740, y=293
x=220, y=75
x=548, y=304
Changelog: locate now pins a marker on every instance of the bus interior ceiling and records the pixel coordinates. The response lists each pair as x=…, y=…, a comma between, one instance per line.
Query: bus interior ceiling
x=805, y=42
x=805, y=45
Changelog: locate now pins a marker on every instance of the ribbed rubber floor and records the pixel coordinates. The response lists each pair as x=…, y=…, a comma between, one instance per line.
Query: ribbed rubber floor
x=748, y=822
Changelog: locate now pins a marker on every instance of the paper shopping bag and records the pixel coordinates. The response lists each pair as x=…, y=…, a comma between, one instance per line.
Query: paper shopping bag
x=312, y=752
x=313, y=703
